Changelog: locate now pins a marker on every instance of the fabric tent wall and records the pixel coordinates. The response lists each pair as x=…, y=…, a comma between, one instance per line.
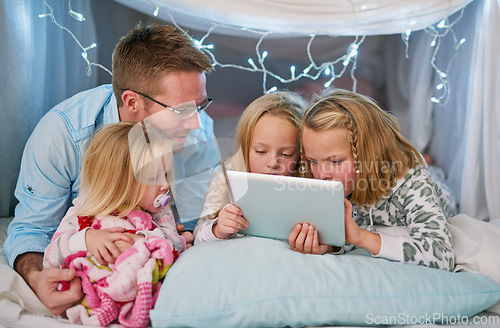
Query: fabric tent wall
x=466, y=131
x=40, y=66
x=480, y=189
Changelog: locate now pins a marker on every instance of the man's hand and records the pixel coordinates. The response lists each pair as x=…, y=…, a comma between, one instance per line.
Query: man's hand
x=188, y=235
x=45, y=282
x=55, y=300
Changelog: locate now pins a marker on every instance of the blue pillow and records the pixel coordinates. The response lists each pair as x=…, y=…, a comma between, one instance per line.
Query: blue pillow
x=256, y=282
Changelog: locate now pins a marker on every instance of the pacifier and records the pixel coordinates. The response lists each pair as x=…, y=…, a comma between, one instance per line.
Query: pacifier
x=162, y=200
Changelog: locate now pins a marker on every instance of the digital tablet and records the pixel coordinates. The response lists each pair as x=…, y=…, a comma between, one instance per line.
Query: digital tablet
x=274, y=204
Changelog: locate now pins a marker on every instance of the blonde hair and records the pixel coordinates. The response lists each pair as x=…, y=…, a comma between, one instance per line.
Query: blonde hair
x=381, y=153
x=141, y=58
x=117, y=165
x=284, y=104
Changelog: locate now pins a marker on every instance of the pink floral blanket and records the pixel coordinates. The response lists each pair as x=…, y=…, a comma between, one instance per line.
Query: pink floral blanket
x=123, y=292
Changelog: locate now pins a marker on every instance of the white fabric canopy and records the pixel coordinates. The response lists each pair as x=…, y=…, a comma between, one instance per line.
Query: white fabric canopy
x=480, y=186
x=40, y=66
x=347, y=17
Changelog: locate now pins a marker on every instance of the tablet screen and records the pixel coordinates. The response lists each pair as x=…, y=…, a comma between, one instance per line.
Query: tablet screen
x=274, y=204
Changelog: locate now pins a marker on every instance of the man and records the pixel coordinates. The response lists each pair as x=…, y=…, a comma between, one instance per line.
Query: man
x=156, y=70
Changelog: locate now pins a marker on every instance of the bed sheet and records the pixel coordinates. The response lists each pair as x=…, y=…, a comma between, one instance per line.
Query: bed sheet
x=19, y=306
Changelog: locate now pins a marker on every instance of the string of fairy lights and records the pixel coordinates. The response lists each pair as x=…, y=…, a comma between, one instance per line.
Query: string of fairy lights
x=443, y=28
x=79, y=17
x=332, y=69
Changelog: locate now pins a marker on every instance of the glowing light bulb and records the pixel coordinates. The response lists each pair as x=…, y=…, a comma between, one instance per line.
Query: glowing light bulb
x=439, y=86
x=251, y=62
x=462, y=41
x=77, y=16
x=442, y=24
x=353, y=51
x=273, y=89
x=264, y=54
x=307, y=69
x=157, y=10
x=292, y=71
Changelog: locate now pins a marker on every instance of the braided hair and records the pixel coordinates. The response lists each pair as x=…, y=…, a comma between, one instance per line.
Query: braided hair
x=381, y=153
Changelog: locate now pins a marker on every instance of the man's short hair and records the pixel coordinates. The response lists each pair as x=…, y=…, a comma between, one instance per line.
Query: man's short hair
x=141, y=58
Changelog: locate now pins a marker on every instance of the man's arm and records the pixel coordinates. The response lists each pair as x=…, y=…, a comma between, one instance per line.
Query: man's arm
x=27, y=265
x=46, y=181
x=43, y=190
x=45, y=282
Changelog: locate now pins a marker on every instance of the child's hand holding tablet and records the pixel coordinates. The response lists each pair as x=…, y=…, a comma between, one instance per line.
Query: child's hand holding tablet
x=230, y=221
x=273, y=205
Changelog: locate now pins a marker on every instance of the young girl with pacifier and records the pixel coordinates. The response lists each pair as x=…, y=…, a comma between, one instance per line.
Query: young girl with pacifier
x=347, y=137
x=266, y=141
x=120, y=237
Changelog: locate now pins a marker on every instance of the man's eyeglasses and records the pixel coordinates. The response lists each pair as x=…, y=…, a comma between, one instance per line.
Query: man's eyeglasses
x=185, y=110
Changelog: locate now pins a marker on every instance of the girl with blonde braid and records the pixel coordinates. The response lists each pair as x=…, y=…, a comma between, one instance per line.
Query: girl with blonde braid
x=348, y=137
